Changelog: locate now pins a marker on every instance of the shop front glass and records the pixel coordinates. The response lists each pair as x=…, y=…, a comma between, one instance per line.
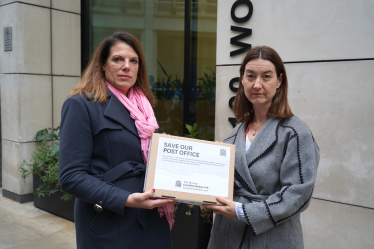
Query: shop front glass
x=160, y=26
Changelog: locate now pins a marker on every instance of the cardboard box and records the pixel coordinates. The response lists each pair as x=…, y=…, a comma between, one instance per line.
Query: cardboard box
x=190, y=170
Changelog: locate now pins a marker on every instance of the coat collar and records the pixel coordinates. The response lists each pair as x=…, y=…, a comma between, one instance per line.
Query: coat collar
x=117, y=112
x=241, y=169
x=264, y=140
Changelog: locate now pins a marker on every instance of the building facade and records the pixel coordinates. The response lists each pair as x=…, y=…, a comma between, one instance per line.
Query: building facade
x=193, y=51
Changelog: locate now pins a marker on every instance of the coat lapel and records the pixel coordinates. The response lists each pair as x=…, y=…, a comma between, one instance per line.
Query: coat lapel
x=242, y=172
x=118, y=113
x=264, y=140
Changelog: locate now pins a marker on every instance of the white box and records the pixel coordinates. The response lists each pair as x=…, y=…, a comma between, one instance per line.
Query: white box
x=190, y=170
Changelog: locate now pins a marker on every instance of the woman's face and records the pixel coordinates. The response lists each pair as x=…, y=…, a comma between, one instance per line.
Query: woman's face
x=260, y=82
x=121, y=67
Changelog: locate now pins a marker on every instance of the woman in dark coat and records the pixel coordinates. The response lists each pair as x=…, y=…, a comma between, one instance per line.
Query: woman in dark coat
x=276, y=162
x=106, y=126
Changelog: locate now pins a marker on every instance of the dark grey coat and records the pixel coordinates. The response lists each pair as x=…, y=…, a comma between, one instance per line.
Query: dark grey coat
x=274, y=180
x=101, y=163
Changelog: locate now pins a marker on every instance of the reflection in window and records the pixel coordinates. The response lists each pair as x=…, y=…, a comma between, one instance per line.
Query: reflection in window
x=159, y=26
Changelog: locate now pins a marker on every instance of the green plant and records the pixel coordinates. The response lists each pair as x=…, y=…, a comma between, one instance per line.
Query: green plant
x=192, y=130
x=164, y=87
x=44, y=163
x=206, y=214
x=194, y=133
x=207, y=86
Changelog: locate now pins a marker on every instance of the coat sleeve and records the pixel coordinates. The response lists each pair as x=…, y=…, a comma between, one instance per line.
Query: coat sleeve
x=297, y=176
x=76, y=146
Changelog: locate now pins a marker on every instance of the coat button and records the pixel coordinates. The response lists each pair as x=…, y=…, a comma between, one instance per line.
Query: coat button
x=98, y=208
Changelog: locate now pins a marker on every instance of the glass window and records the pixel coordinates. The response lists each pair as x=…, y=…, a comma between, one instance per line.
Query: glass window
x=160, y=27
x=203, y=53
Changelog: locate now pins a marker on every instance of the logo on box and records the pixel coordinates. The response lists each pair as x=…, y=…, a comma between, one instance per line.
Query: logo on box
x=223, y=152
x=178, y=184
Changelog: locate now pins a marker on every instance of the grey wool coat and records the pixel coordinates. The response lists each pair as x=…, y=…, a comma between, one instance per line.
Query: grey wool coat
x=274, y=181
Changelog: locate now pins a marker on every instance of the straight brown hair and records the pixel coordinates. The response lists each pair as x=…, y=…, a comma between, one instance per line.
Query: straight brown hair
x=93, y=78
x=243, y=108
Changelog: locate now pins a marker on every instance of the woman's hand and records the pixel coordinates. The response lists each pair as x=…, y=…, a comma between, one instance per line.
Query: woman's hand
x=228, y=209
x=141, y=200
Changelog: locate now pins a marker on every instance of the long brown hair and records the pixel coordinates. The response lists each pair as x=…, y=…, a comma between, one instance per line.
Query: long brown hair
x=243, y=108
x=93, y=77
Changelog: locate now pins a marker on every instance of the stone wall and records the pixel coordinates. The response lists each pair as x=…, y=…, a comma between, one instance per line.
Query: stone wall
x=328, y=50
x=36, y=76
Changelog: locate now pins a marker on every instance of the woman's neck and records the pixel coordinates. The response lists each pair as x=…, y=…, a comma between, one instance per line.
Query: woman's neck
x=261, y=114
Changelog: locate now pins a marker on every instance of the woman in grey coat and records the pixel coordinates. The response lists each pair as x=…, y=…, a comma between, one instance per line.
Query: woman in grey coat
x=275, y=162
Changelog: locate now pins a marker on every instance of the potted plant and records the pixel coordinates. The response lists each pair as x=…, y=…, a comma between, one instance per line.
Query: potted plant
x=192, y=227
x=43, y=166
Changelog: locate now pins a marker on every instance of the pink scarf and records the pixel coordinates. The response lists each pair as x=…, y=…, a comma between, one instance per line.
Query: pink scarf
x=145, y=121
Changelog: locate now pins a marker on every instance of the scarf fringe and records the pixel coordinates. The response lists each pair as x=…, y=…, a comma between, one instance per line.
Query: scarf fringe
x=168, y=211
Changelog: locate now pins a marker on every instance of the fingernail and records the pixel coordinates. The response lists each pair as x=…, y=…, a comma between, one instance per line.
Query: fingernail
x=153, y=190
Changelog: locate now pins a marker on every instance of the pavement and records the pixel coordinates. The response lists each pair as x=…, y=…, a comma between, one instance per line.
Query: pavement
x=23, y=226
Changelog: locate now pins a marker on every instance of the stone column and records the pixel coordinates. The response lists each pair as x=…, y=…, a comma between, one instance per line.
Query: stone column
x=328, y=50
x=35, y=78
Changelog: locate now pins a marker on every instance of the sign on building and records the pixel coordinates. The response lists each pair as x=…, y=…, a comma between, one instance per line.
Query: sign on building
x=8, y=39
